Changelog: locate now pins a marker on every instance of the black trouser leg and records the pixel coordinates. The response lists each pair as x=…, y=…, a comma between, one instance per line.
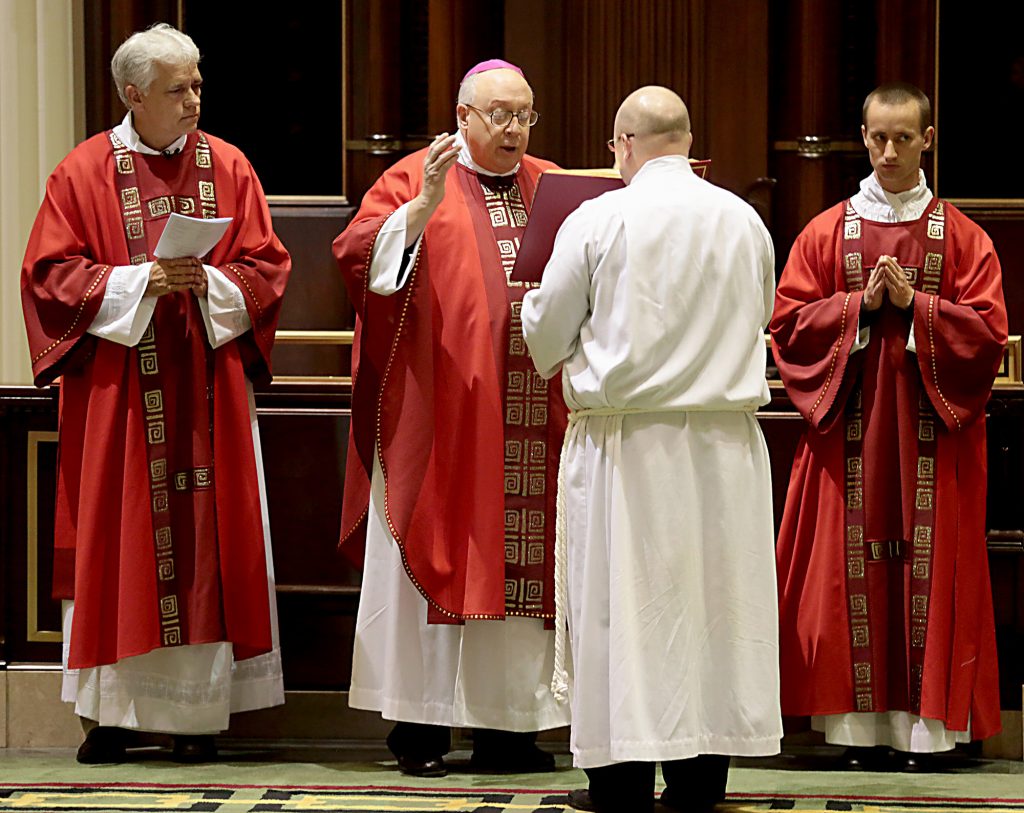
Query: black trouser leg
x=622, y=786
x=695, y=784
x=491, y=741
x=419, y=740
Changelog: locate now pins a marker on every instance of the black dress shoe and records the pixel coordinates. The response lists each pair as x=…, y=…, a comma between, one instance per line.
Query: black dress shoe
x=916, y=763
x=579, y=799
x=428, y=767
x=103, y=745
x=528, y=759
x=866, y=758
x=191, y=748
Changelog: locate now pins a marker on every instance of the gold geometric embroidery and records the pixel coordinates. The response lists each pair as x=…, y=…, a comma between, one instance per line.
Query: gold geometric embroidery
x=186, y=205
x=169, y=607
x=147, y=363
x=158, y=470
x=165, y=570
x=201, y=478
x=163, y=538
x=862, y=673
x=155, y=432
x=923, y=500
x=933, y=262
x=133, y=228
x=853, y=430
x=925, y=468
x=154, y=401
x=855, y=567
x=160, y=501
x=206, y=191
x=919, y=606
x=923, y=537
x=858, y=604
x=159, y=207
x=855, y=533
x=181, y=481
x=853, y=262
x=936, y=229
x=124, y=163
x=921, y=569
x=139, y=259
x=855, y=499
x=917, y=636
x=172, y=636
x=130, y=198
x=926, y=431
x=851, y=229
x=860, y=635
x=864, y=701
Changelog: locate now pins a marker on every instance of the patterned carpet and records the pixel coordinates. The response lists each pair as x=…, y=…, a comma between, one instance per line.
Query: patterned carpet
x=73, y=796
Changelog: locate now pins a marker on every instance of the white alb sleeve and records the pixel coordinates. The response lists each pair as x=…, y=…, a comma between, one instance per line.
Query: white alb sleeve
x=390, y=263
x=125, y=311
x=223, y=308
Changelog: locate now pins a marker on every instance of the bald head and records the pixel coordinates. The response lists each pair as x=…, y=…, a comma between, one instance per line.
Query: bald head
x=653, y=111
x=655, y=122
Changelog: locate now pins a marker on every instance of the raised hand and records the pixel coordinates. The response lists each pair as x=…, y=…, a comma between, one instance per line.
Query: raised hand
x=440, y=157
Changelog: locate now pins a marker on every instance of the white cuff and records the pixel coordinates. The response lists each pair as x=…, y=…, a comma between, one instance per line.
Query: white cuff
x=126, y=311
x=863, y=337
x=387, y=272
x=223, y=308
x=911, y=341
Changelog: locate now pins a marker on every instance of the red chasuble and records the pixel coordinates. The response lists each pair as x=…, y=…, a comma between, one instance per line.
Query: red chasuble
x=159, y=531
x=885, y=599
x=467, y=433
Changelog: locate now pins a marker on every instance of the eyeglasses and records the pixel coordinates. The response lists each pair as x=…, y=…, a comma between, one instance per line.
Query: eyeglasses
x=611, y=141
x=501, y=118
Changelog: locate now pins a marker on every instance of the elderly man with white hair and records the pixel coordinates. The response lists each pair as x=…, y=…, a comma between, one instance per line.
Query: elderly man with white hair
x=653, y=307
x=452, y=462
x=162, y=544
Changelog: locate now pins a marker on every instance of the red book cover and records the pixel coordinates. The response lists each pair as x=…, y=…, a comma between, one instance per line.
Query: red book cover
x=559, y=193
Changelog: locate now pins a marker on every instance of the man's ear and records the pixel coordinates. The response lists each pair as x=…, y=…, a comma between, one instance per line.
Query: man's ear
x=929, y=137
x=462, y=116
x=133, y=95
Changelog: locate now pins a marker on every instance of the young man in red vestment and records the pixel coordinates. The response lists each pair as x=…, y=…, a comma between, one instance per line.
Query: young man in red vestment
x=889, y=327
x=162, y=540
x=453, y=456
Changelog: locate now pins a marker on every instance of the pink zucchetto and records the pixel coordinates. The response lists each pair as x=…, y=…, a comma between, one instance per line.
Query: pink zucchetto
x=492, y=65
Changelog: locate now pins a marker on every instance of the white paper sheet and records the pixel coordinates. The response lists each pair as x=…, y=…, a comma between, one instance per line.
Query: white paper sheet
x=190, y=236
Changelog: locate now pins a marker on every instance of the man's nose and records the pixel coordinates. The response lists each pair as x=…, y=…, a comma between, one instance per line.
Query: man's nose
x=890, y=150
x=192, y=98
x=513, y=123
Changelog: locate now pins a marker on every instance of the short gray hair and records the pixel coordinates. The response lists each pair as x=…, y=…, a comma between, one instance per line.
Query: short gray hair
x=467, y=90
x=135, y=62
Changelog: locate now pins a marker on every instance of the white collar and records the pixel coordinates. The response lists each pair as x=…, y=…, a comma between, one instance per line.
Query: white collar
x=130, y=138
x=874, y=203
x=671, y=163
x=466, y=159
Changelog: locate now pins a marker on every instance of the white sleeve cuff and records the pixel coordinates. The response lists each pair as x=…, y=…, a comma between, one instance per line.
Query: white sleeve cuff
x=911, y=340
x=223, y=308
x=125, y=311
x=389, y=269
x=863, y=337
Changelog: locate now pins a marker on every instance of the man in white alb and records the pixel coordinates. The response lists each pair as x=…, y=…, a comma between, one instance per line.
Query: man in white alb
x=653, y=307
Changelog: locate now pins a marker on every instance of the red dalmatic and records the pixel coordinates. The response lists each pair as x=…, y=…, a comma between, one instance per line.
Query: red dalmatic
x=159, y=529
x=885, y=600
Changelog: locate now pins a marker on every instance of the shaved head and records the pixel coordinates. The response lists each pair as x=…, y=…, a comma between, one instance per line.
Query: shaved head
x=653, y=110
x=652, y=122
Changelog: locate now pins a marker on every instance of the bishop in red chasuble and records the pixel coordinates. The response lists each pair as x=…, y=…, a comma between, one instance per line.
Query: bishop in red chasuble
x=889, y=327
x=452, y=464
x=161, y=532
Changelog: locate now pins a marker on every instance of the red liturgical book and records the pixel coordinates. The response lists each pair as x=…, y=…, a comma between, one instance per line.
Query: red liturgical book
x=559, y=193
